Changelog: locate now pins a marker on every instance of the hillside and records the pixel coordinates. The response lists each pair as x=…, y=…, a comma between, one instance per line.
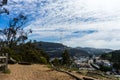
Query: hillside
x=56, y=49
x=113, y=56
x=95, y=51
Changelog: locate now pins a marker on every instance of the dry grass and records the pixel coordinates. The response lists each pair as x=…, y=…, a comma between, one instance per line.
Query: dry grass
x=33, y=72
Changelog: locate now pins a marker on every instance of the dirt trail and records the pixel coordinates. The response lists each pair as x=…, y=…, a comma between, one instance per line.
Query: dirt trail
x=33, y=72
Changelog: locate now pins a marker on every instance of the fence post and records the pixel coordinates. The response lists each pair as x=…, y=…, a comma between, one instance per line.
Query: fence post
x=6, y=62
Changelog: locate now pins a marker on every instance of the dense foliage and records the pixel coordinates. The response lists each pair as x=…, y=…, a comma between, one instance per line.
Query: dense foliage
x=66, y=58
x=114, y=57
x=26, y=52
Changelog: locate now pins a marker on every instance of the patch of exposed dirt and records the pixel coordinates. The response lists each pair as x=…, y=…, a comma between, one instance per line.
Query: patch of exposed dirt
x=33, y=72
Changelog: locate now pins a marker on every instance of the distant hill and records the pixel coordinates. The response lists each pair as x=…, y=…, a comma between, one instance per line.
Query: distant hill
x=53, y=49
x=95, y=51
x=56, y=49
x=113, y=56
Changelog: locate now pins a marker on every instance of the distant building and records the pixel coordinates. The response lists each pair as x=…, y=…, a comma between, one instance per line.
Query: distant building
x=82, y=63
x=104, y=63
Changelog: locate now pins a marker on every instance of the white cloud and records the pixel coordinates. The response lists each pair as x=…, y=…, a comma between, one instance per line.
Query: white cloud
x=60, y=18
x=107, y=36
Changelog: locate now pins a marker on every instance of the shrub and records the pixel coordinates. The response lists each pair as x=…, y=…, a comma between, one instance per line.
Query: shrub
x=7, y=71
x=105, y=68
x=56, y=62
x=43, y=60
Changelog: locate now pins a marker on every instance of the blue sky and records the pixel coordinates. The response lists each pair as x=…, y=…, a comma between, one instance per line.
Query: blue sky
x=84, y=23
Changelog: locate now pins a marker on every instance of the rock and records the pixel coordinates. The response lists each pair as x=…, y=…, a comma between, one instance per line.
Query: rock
x=12, y=61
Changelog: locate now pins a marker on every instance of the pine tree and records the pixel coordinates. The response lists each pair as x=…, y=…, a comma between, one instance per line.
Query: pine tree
x=66, y=58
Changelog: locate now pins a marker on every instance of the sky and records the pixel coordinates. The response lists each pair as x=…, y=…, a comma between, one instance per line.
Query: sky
x=83, y=23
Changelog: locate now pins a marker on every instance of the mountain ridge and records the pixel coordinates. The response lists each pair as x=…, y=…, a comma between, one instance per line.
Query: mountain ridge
x=56, y=49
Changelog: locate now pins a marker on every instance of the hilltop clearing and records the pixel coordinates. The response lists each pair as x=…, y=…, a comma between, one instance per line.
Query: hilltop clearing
x=33, y=72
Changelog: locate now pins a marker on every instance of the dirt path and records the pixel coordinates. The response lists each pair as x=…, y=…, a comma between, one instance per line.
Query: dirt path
x=33, y=72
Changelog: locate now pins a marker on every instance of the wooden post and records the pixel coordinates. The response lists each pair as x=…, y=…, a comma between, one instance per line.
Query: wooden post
x=3, y=60
x=6, y=62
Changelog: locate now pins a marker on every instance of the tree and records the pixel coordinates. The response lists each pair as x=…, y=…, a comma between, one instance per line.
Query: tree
x=3, y=2
x=56, y=62
x=15, y=34
x=66, y=58
x=3, y=10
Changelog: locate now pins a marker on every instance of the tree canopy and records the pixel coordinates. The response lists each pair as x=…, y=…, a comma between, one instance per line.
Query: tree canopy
x=14, y=33
x=66, y=58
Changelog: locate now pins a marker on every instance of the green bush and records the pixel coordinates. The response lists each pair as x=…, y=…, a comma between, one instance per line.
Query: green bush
x=56, y=62
x=105, y=68
x=7, y=50
x=49, y=66
x=26, y=52
x=43, y=60
x=7, y=71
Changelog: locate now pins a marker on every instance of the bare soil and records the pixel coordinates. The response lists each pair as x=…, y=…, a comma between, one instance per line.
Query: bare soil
x=33, y=72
